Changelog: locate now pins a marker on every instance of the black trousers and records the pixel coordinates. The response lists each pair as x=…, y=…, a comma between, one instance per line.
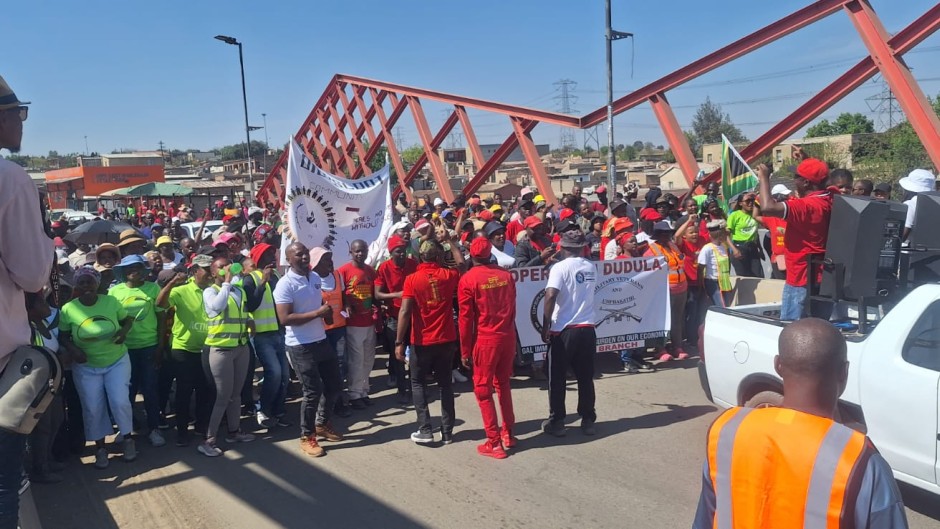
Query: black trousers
x=318, y=368
x=575, y=347
x=396, y=368
x=248, y=388
x=749, y=264
x=435, y=359
x=190, y=379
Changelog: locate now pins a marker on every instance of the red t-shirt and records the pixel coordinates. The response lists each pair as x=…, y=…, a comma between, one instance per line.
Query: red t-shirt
x=392, y=277
x=512, y=231
x=776, y=229
x=597, y=207
x=486, y=296
x=432, y=288
x=806, y=232
x=360, y=285
x=690, y=251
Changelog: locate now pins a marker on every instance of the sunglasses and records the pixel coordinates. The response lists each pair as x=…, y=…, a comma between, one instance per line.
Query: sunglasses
x=24, y=112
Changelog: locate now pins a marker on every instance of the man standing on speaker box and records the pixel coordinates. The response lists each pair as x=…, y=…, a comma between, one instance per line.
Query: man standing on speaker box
x=26, y=256
x=807, y=218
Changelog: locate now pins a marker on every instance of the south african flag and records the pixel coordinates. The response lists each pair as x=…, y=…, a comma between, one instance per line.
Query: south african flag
x=736, y=176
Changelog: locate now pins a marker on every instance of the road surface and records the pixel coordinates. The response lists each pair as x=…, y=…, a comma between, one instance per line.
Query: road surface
x=642, y=470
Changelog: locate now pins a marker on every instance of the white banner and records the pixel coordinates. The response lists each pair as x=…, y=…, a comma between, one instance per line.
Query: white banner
x=631, y=304
x=331, y=211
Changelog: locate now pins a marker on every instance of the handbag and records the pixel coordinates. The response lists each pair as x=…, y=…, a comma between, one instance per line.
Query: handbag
x=31, y=379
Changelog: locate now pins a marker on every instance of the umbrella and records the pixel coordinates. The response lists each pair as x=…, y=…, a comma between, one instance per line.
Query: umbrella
x=151, y=189
x=97, y=232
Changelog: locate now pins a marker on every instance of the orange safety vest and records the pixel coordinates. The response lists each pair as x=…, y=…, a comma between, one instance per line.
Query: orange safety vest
x=674, y=259
x=335, y=299
x=781, y=468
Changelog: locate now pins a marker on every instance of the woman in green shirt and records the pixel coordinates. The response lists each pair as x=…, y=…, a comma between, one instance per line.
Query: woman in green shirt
x=743, y=225
x=92, y=329
x=145, y=340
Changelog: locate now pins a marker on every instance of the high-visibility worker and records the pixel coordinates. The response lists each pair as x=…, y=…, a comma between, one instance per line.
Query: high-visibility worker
x=794, y=466
x=486, y=296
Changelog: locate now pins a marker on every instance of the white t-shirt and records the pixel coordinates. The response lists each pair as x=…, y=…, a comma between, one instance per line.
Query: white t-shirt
x=612, y=250
x=707, y=257
x=503, y=259
x=574, y=278
x=177, y=259
x=305, y=294
x=911, y=210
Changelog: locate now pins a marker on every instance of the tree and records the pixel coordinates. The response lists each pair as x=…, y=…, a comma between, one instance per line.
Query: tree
x=648, y=146
x=411, y=154
x=628, y=154
x=638, y=145
x=237, y=151
x=846, y=123
x=668, y=156
x=709, y=124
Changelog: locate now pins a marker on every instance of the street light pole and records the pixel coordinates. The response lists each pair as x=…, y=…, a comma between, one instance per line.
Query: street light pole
x=241, y=64
x=266, y=145
x=611, y=35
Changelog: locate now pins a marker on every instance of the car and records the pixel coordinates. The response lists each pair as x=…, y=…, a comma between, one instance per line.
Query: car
x=190, y=228
x=894, y=375
x=77, y=217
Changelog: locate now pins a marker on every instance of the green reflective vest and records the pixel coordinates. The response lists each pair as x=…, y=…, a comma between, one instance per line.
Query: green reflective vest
x=265, y=317
x=230, y=328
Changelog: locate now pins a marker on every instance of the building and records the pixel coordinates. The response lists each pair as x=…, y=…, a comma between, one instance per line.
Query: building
x=672, y=179
x=132, y=159
x=200, y=157
x=67, y=187
x=834, y=150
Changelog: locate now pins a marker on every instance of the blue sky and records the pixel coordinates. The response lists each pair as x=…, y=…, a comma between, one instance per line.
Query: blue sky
x=132, y=74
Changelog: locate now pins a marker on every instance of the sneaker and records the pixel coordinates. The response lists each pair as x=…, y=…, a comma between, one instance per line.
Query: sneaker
x=156, y=438
x=509, y=441
x=310, y=447
x=646, y=367
x=457, y=376
x=264, y=421
x=553, y=428
x=208, y=449
x=130, y=449
x=101, y=458
x=184, y=438
x=326, y=431
x=681, y=354
x=630, y=367
x=239, y=437
x=391, y=382
x=490, y=450
x=447, y=438
x=357, y=404
x=422, y=438
x=587, y=428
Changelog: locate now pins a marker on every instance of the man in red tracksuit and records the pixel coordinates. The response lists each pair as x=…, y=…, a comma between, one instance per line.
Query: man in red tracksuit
x=486, y=296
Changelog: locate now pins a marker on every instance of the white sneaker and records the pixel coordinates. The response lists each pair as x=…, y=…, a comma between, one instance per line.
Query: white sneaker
x=156, y=438
x=209, y=449
x=457, y=376
x=264, y=421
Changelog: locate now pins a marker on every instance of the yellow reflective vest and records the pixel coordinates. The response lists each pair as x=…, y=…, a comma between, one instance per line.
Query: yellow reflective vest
x=230, y=328
x=265, y=317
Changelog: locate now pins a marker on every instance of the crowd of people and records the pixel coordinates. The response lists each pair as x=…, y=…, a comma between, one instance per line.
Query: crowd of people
x=159, y=310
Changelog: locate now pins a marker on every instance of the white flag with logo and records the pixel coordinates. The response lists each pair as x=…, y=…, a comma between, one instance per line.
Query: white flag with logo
x=331, y=211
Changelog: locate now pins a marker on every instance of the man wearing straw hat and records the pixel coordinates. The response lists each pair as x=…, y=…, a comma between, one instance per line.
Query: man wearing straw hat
x=26, y=256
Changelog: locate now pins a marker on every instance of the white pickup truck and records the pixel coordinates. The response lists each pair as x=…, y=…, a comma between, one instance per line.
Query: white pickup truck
x=894, y=376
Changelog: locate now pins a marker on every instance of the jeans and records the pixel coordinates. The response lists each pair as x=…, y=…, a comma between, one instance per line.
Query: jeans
x=438, y=359
x=248, y=391
x=714, y=296
x=793, y=300
x=190, y=378
x=144, y=380
x=12, y=446
x=273, y=356
x=693, y=314
x=337, y=339
x=677, y=312
x=101, y=389
x=318, y=368
x=360, y=351
x=575, y=347
x=226, y=368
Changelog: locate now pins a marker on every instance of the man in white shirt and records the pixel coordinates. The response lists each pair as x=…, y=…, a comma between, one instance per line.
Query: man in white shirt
x=298, y=300
x=26, y=256
x=568, y=328
x=918, y=181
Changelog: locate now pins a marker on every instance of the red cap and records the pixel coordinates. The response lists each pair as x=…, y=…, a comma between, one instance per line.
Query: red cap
x=624, y=224
x=396, y=241
x=258, y=250
x=59, y=243
x=532, y=222
x=650, y=214
x=816, y=171
x=565, y=213
x=481, y=248
x=474, y=201
x=485, y=215
x=421, y=224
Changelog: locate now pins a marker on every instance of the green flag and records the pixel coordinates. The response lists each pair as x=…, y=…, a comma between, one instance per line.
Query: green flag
x=736, y=176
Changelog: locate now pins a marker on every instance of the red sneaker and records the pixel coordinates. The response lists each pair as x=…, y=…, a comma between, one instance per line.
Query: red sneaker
x=488, y=450
x=508, y=440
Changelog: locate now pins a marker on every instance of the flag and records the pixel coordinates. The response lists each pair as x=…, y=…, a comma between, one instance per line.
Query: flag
x=736, y=176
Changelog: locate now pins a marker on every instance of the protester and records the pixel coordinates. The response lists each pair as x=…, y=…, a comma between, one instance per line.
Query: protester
x=776, y=232
x=486, y=297
x=807, y=227
x=690, y=244
x=662, y=245
x=359, y=280
x=503, y=252
x=882, y=191
x=427, y=313
x=743, y=227
x=714, y=266
x=131, y=242
x=184, y=294
x=516, y=226
x=863, y=188
x=918, y=181
x=536, y=249
x=268, y=339
x=77, y=258
x=171, y=258
x=767, y=465
x=92, y=330
x=389, y=283
x=332, y=290
x=568, y=328
x=300, y=307
x=227, y=329
x=842, y=180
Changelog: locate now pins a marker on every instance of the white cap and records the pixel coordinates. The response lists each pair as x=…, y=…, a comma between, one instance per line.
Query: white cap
x=919, y=181
x=438, y=201
x=225, y=198
x=780, y=189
